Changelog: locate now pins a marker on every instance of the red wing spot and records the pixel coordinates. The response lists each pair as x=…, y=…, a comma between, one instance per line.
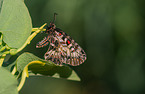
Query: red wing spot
x=68, y=41
x=52, y=41
x=59, y=33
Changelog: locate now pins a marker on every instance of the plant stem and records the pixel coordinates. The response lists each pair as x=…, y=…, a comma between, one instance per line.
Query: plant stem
x=24, y=75
x=1, y=61
x=30, y=38
x=3, y=48
x=34, y=29
x=3, y=57
x=1, y=37
x=14, y=70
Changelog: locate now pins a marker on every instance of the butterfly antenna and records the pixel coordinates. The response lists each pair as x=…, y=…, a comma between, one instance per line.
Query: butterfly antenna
x=54, y=17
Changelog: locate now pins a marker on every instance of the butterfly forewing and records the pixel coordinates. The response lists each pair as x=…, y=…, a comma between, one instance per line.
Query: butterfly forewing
x=43, y=43
x=62, y=48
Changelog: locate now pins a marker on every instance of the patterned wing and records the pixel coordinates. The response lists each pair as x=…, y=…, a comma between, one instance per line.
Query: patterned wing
x=43, y=43
x=63, y=49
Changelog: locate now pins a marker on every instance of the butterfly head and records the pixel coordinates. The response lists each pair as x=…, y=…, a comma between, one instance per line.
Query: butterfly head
x=51, y=26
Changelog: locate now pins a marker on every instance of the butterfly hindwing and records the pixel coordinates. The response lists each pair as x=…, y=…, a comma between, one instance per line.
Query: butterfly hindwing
x=63, y=49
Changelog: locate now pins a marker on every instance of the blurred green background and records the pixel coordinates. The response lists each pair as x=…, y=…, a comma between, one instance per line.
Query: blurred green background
x=112, y=33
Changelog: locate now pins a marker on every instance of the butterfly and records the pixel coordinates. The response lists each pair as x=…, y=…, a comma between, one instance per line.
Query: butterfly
x=62, y=48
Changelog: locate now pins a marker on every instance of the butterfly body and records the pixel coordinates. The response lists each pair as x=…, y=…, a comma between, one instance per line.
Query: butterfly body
x=62, y=48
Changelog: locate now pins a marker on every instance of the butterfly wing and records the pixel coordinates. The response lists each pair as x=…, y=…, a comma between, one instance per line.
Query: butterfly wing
x=63, y=49
x=43, y=42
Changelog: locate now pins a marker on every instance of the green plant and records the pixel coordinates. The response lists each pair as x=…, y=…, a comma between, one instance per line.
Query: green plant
x=16, y=33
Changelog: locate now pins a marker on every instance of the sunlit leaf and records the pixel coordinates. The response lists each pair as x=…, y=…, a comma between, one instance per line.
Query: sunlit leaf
x=1, y=4
x=37, y=65
x=15, y=23
x=8, y=83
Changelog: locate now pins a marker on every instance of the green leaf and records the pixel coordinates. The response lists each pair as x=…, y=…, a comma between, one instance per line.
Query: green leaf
x=37, y=65
x=73, y=76
x=15, y=23
x=25, y=58
x=29, y=61
x=1, y=1
x=8, y=83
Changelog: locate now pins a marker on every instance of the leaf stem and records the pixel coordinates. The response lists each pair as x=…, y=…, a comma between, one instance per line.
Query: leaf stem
x=14, y=70
x=30, y=38
x=1, y=61
x=34, y=29
x=1, y=38
x=3, y=57
x=24, y=75
x=3, y=48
